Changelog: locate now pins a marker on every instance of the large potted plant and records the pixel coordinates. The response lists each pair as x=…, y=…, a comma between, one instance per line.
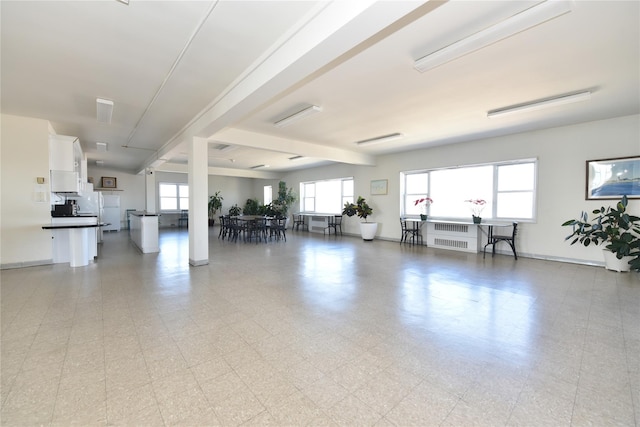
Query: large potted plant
x=286, y=198
x=362, y=209
x=215, y=203
x=616, y=228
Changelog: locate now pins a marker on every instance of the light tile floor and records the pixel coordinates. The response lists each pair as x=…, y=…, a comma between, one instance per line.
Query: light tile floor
x=318, y=331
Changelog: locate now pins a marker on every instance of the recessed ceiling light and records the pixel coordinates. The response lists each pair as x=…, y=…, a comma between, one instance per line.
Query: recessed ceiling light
x=529, y=18
x=104, y=110
x=101, y=146
x=99, y=162
x=305, y=112
x=379, y=139
x=540, y=104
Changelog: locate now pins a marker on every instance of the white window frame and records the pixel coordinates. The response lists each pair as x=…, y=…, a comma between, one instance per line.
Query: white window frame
x=404, y=197
x=177, y=197
x=311, y=200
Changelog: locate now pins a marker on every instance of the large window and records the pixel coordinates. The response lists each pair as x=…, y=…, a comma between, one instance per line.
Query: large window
x=327, y=196
x=174, y=197
x=508, y=189
x=267, y=194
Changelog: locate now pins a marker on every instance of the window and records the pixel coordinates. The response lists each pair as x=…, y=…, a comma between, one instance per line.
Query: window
x=268, y=194
x=174, y=197
x=507, y=187
x=328, y=196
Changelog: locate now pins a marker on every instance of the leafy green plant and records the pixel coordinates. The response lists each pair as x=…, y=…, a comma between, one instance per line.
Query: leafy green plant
x=235, y=210
x=613, y=226
x=251, y=207
x=286, y=198
x=215, y=203
x=361, y=208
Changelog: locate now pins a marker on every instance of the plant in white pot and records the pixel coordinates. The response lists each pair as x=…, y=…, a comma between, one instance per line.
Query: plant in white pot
x=614, y=227
x=362, y=209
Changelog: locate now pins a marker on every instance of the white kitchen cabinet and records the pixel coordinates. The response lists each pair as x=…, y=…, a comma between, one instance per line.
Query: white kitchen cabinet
x=66, y=163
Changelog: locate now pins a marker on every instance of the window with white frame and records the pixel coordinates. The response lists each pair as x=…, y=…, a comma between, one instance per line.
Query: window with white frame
x=507, y=187
x=326, y=196
x=268, y=194
x=174, y=197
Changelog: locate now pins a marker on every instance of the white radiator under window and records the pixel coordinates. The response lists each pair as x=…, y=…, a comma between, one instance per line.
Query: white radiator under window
x=458, y=237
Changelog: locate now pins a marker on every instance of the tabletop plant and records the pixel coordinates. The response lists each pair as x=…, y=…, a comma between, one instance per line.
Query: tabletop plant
x=425, y=202
x=477, y=206
x=612, y=226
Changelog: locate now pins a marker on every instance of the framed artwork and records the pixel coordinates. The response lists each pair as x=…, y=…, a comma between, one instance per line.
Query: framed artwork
x=379, y=187
x=108, y=182
x=613, y=178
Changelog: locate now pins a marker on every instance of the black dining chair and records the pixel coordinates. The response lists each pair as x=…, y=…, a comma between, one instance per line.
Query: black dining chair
x=184, y=218
x=510, y=239
x=408, y=231
x=278, y=228
x=298, y=220
x=335, y=223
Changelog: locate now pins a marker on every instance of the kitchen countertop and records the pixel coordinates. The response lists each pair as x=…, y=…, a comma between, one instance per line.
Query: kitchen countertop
x=56, y=226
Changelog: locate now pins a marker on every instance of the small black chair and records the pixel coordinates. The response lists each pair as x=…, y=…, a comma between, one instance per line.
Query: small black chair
x=278, y=228
x=409, y=232
x=334, y=222
x=509, y=238
x=298, y=220
x=184, y=218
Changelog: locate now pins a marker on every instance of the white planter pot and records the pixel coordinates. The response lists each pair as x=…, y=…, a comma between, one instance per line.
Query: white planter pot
x=368, y=230
x=611, y=262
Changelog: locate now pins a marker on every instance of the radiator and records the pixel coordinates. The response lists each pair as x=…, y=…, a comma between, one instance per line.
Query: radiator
x=453, y=236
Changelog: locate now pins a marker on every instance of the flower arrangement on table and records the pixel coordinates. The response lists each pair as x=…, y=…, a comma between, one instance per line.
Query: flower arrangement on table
x=477, y=206
x=426, y=201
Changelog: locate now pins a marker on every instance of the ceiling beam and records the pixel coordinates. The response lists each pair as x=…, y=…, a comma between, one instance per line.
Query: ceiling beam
x=238, y=173
x=329, y=31
x=261, y=141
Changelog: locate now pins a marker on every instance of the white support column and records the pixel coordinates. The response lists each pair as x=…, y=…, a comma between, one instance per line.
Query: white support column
x=198, y=198
x=150, y=190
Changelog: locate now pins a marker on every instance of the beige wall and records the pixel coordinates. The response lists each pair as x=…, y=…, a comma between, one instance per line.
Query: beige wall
x=24, y=156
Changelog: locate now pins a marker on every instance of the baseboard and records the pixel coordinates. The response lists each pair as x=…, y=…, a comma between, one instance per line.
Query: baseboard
x=12, y=265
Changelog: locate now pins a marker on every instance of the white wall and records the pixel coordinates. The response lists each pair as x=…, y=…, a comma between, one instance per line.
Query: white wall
x=130, y=186
x=24, y=156
x=561, y=153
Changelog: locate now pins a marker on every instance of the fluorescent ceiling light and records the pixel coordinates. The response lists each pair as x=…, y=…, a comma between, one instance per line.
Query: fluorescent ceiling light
x=101, y=146
x=124, y=2
x=379, y=139
x=294, y=158
x=540, y=104
x=515, y=24
x=104, y=109
x=313, y=109
x=259, y=166
x=99, y=162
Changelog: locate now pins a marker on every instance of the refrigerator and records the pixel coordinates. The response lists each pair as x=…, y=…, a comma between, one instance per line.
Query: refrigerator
x=111, y=212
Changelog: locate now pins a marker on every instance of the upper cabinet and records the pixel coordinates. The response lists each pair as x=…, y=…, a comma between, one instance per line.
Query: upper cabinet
x=67, y=164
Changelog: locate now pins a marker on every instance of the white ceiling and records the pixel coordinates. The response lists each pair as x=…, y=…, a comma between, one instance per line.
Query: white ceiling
x=227, y=70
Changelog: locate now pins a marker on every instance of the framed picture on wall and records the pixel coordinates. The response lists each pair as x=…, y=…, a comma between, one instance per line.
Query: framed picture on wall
x=613, y=178
x=108, y=182
x=379, y=187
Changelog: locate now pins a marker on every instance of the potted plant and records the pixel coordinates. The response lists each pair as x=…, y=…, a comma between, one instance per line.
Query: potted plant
x=362, y=209
x=614, y=227
x=251, y=207
x=426, y=202
x=477, y=206
x=215, y=203
x=286, y=198
x=235, y=210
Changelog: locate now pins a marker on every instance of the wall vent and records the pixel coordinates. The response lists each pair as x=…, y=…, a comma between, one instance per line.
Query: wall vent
x=458, y=244
x=456, y=228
